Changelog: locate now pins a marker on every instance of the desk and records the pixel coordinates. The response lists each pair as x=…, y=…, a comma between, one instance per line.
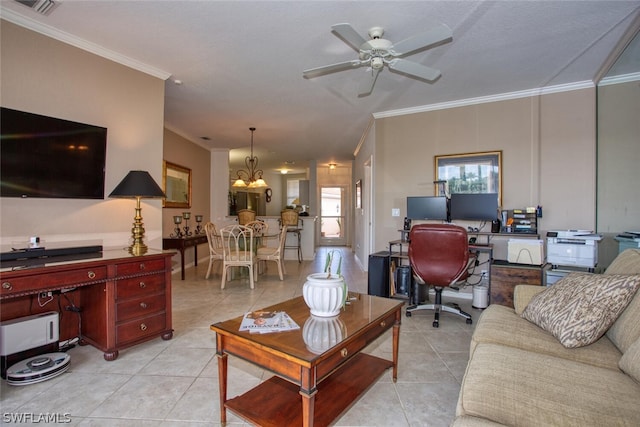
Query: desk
x=125, y=299
x=181, y=244
x=308, y=387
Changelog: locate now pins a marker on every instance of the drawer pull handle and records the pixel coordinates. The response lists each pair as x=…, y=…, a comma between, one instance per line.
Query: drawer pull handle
x=7, y=285
x=383, y=323
x=141, y=266
x=143, y=327
x=143, y=304
x=91, y=275
x=344, y=352
x=142, y=285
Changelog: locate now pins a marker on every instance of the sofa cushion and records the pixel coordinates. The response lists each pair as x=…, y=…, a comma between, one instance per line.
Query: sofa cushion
x=516, y=387
x=627, y=262
x=579, y=308
x=630, y=361
x=501, y=325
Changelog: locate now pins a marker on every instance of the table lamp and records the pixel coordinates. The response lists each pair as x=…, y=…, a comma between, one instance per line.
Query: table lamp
x=138, y=185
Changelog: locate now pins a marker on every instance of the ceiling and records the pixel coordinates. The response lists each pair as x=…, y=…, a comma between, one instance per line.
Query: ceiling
x=241, y=62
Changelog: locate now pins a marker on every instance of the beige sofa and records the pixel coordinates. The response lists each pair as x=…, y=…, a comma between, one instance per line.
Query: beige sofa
x=520, y=375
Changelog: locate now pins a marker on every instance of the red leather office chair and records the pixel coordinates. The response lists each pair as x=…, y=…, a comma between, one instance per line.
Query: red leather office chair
x=439, y=256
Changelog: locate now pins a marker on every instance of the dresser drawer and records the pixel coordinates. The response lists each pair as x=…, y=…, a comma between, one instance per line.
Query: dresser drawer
x=139, y=267
x=140, y=307
x=139, y=286
x=141, y=328
x=56, y=280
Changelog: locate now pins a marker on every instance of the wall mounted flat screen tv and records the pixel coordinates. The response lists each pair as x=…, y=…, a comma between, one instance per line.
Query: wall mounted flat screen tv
x=427, y=207
x=51, y=158
x=474, y=207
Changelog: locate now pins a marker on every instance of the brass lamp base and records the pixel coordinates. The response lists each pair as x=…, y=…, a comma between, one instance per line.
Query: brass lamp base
x=137, y=233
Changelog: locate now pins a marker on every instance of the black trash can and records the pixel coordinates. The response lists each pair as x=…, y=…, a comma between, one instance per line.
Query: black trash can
x=419, y=293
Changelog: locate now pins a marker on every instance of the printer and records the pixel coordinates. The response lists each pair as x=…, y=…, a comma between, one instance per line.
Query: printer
x=578, y=248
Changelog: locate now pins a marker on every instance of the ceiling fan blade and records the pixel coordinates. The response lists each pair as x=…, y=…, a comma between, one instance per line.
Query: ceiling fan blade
x=348, y=34
x=366, y=85
x=439, y=34
x=340, y=66
x=414, y=69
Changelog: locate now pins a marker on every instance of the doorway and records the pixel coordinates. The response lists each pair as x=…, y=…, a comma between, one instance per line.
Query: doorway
x=333, y=220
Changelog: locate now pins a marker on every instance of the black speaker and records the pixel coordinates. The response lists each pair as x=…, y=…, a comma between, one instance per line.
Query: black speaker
x=407, y=224
x=378, y=283
x=495, y=226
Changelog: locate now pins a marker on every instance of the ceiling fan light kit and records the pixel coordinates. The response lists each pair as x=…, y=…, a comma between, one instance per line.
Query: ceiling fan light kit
x=377, y=52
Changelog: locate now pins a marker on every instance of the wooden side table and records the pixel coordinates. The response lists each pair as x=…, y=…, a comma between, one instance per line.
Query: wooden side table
x=181, y=244
x=505, y=276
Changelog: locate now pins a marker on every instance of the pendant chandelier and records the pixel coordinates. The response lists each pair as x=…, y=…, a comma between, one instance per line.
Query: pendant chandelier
x=252, y=177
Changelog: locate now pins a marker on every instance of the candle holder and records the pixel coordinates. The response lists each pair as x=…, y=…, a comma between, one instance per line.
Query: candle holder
x=177, y=232
x=186, y=216
x=199, y=228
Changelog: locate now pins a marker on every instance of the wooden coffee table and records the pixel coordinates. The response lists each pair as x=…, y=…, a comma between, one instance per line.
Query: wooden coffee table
x=320, y=370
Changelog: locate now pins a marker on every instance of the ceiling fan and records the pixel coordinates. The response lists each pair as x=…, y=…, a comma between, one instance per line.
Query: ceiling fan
x=378, y=52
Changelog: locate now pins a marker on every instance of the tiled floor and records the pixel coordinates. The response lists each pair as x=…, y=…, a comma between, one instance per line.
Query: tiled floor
x=174, y=383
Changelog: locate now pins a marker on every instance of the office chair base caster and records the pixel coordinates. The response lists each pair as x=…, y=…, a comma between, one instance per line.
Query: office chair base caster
x=469, y=321
x=435, y=324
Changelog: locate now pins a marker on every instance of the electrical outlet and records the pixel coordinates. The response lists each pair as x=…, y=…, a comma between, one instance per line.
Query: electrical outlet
x=395, y=212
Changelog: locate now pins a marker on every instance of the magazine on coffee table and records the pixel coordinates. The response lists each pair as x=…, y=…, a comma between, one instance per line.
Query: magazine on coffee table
x=264, y=322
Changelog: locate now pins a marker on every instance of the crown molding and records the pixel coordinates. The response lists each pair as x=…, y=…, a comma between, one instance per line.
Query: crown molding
x=33, y=25
x=623, y=78
x=486, y=99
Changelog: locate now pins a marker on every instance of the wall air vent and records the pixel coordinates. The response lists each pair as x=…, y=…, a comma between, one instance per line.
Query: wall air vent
x=43, y=7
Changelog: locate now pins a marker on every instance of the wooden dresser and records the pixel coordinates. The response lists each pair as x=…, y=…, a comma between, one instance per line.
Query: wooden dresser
x=110, y=299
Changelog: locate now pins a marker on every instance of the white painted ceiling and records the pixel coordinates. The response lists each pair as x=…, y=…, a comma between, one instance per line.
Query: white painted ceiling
x=241, y=62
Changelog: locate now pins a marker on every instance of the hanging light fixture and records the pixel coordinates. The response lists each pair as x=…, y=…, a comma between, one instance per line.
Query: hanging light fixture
x=253, y=174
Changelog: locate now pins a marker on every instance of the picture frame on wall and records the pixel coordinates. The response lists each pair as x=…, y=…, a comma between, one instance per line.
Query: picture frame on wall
x=176, y=183
x=359, y=194
x=471, y=172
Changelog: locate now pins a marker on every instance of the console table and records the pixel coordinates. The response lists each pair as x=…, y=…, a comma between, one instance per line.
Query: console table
x=121, y=299
x=181, y=244
x=309, y=386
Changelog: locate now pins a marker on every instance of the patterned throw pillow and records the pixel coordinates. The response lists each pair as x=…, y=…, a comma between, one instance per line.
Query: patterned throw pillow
x=579, y=308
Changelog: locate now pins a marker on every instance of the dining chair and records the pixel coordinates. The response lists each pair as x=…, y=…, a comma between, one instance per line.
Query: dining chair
x=245, y=216
x=215, y=245
x=276, y=254
x=260, y=229
x=237, y=249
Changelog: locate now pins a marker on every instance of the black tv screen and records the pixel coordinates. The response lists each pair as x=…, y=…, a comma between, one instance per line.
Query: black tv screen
x=47, y=157
x=474, y=207
x=427, y=207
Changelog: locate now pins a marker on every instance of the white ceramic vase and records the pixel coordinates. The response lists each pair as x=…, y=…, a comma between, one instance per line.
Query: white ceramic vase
x=324, y=294
x=322, y=333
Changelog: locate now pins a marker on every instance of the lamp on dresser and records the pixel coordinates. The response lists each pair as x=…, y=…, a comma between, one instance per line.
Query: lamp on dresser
x=138, y=185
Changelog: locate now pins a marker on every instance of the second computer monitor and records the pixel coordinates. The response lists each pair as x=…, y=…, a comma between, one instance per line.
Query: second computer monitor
x=474, y=207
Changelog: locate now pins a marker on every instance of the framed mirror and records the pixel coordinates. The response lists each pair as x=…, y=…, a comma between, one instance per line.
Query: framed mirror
x=176, y=183
x=471, y=172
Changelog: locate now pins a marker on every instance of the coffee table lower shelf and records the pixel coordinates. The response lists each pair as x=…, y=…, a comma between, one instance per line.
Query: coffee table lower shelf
x=277, y=402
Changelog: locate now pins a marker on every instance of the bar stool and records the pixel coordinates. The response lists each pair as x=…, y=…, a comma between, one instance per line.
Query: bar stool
x=289, y=217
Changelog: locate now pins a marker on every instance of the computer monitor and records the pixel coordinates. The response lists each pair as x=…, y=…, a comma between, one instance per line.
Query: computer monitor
x=427, y=207
x=474, y=207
